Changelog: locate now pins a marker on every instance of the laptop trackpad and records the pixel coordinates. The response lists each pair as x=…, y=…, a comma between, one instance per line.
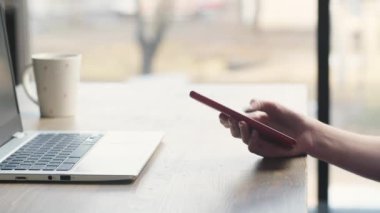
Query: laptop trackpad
x=119, y=154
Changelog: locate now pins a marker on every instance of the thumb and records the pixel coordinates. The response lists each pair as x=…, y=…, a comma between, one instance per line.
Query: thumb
x=264, y=106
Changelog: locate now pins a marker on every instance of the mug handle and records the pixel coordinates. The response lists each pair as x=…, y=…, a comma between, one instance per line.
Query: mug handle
x=27, y=85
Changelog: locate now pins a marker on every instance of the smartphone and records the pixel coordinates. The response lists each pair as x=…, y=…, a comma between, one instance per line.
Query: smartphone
x=265, y=131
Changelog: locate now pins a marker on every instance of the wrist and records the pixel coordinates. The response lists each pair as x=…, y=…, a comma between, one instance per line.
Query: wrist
x=314, y=136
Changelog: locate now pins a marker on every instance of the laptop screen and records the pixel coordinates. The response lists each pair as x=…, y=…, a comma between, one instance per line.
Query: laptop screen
x=10, y=121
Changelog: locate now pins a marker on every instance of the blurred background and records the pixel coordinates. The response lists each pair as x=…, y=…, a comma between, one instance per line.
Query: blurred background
x=225, y=41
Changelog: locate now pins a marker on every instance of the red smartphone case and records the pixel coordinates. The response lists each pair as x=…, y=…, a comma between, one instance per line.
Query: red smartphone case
x=265, y=131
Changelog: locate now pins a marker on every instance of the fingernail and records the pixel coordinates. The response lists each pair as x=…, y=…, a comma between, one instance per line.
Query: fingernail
x=248, y=110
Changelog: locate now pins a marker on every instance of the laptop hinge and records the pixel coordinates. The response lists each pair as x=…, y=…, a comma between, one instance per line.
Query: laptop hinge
x=18, y=135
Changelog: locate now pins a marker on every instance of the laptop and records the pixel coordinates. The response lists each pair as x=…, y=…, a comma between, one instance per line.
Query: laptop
x=54, y=156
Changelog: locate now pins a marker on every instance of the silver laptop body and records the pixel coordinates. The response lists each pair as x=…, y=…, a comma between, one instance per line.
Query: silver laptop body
x=87, y=156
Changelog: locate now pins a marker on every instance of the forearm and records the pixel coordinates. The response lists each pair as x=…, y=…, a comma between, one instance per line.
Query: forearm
x=354, y=152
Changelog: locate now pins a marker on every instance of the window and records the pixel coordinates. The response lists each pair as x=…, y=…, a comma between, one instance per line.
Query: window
x=355, y=82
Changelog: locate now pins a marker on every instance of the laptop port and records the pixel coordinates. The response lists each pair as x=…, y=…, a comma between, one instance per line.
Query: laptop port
x=65, y=177
x=20, y=178
x=50, y=177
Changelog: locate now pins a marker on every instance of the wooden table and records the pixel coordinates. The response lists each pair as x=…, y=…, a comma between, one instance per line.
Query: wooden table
x=198, y=167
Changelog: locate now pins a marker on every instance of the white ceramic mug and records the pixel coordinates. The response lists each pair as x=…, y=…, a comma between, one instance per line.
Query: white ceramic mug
x=57, y=77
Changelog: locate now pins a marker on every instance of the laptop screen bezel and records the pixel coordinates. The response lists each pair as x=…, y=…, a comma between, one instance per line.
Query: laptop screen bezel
x=14, y=125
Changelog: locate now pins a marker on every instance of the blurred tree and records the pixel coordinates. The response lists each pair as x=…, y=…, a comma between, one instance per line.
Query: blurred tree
x=151, y=29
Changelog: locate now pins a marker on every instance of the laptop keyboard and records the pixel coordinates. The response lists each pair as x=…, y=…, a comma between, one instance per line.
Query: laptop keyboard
x=50, y=152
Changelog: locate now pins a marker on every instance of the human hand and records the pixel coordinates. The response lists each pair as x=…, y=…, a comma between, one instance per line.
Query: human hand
x=278, y=117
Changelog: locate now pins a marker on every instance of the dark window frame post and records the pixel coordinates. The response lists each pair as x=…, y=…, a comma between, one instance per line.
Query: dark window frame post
x=323, y=43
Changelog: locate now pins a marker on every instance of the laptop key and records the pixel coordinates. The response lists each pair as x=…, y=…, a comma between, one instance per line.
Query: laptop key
x=6, y=168
x=80, y=151
x=22, y=167
x=49, y=168
x=9, y=167
x=65, y=166
x=37, y=167
x=71, y=160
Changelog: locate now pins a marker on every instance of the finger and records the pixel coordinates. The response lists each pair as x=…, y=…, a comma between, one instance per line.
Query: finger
x=260, y=116
x=269, y=149
x=244, y=131
x=249, y=108
x=252, y=142
x=224, y=120
x=261, y=147
x=234, y=128
x=265, y=106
